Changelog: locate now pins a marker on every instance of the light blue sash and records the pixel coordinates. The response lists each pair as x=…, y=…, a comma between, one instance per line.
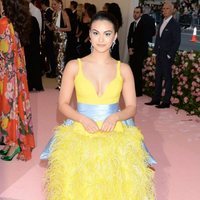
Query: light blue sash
x=97, y=113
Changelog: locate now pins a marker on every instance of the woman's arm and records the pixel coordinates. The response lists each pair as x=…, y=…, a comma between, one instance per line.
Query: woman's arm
x=128, y=93
x=66, y=93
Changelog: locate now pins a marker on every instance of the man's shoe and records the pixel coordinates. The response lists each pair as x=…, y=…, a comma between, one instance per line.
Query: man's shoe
x=163, y=105
x=153, y=103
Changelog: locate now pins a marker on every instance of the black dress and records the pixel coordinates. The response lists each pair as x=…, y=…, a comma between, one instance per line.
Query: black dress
x=83, y=49
x=32, y=55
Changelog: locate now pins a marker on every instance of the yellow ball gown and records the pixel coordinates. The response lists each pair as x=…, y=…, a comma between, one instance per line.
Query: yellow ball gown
x=100, y=166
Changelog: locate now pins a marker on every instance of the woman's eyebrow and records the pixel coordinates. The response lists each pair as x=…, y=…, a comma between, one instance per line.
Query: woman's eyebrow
x=94, y=30
x=108, y=31
x=104, y=31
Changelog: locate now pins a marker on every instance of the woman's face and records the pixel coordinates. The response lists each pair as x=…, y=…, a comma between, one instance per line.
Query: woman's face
x=102, y=35
x=56, y=6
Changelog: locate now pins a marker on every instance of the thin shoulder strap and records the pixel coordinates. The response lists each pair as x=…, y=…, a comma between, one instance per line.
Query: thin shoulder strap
x=118, y=68
x=79, y=65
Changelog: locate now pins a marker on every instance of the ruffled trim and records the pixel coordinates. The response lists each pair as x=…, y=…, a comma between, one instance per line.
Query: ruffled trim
x=100, y=166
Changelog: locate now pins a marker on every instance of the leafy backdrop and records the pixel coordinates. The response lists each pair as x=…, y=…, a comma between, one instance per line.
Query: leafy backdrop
x=186, y=81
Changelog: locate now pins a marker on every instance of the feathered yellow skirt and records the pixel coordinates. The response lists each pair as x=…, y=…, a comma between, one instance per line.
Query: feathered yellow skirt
x=100, y=166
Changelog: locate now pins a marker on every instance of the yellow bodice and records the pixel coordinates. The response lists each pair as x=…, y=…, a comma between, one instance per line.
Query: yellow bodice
x=87, y=94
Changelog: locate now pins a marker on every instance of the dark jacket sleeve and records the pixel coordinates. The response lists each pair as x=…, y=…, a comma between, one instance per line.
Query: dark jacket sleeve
x=49, y=15
x=130, y=35
x=149, y=27
x=155, y=49
x=176, y=40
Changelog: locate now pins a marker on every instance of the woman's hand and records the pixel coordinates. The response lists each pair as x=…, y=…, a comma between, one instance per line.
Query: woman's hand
x=55, y=28
x=109, y=123
x=154, y=59
x=89, y=125
x=50, y=27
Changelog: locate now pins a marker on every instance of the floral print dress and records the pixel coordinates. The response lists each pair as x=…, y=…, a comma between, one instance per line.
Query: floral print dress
x=15, y=110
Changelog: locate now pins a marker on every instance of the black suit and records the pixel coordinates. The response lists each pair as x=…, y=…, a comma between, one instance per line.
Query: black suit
x=48, y=42
x=71, y=52
x=149, y=25
x=32, y=54
x=165, y=49
x=138, y=38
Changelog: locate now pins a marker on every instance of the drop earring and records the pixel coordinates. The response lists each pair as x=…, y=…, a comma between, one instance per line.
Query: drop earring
x=112, y=46
x=91, y=48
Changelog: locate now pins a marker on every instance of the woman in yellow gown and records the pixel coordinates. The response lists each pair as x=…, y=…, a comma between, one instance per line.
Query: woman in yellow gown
x=98, y=154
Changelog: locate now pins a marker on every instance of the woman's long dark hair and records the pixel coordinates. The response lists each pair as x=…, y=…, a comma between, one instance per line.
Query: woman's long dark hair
x=102, y=15
x=17, y=11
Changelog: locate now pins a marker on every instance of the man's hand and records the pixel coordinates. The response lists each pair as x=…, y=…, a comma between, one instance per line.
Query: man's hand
x=130, y=51
x=154, y=59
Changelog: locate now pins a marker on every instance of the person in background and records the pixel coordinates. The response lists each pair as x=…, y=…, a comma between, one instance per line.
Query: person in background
x=71, y=35
x=35, y=12
x=97, y=154
x=84, y=47
x=15, y=111
x=167, y=42
x=47, y=38
x=140, y=33
x=60, y=26
x=150, y=27
x=79, y=12
x=115, y=10
x=105, y=7
x=33, y=58
x=74, y=18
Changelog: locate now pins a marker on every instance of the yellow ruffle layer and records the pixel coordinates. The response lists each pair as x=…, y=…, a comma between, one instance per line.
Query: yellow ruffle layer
x=100, y=166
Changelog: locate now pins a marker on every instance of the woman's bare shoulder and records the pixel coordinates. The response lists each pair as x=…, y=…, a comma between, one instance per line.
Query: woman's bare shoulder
x=72, y=67
x=125, y=70
x=64, y=13
x=124, y=65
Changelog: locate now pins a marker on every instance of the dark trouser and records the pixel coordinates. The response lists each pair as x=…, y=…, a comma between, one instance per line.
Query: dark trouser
x=163, y=72
x=33, y=62
x=136, y=64
x=44, y=64
x=49, y=48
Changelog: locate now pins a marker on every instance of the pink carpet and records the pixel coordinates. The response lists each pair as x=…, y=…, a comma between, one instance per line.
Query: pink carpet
x=173, y=138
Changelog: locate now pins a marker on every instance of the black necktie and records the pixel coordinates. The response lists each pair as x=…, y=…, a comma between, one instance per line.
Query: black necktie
x=134, y=26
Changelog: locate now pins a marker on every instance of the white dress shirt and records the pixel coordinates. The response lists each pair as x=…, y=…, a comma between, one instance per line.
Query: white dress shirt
x=58, y=19
x=136, y=22
x=35, y=12
x=164, y=24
